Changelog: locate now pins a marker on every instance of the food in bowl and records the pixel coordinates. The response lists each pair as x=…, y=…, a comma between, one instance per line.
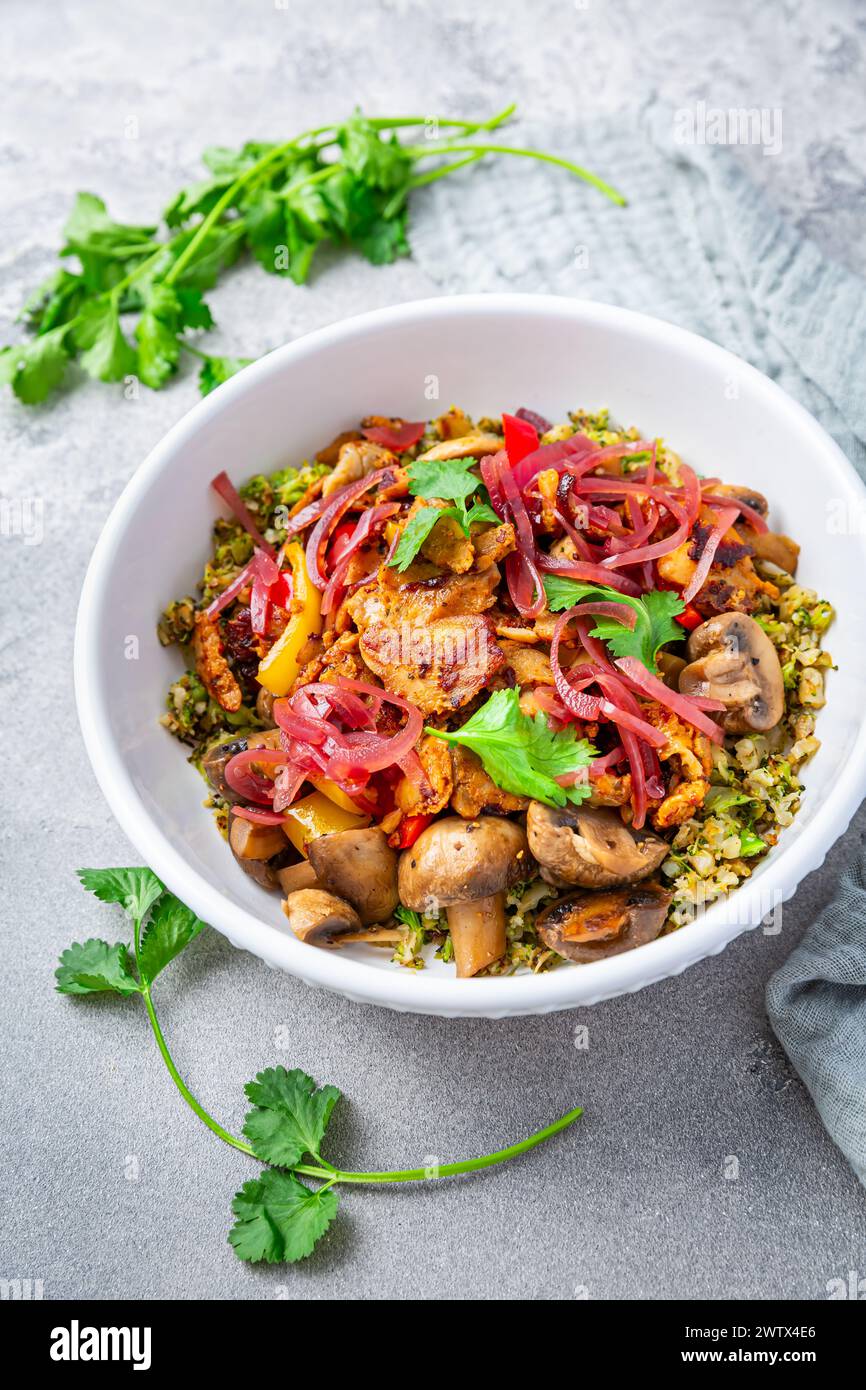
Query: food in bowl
x=513, y=692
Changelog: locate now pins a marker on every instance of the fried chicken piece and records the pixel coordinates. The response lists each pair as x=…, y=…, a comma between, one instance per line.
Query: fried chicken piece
x=681, y=804
x=356, y=459
x=446, y=546
x=474, y=792
x=211, y=666
x=609, y=789
x=427, y=798
x=692, y=763
x=439, y=665
x=530, y=664
x=493, y=545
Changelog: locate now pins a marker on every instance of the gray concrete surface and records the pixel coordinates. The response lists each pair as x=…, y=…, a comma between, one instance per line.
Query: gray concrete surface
x=111, y=1188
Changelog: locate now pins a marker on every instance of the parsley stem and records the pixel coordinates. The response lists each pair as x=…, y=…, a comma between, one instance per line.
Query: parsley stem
x=393, y=122
x=444, y=170
x=181, y=1085
x=448, y=1170
x=173, y=1072
x=420, y=151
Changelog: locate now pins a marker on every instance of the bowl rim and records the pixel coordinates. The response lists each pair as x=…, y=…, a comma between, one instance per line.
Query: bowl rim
x=424, y=992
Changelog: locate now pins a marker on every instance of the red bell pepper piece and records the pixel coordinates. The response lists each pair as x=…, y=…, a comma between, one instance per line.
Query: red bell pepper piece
x=410, y=829
x=690, y=618
x=521, y=438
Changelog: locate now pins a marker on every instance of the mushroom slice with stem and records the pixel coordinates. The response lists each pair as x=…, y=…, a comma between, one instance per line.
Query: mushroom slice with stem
x=322, y=919
x=360, y=866
x=591, y=926
x=466, y=867
x=732, y=659
x=590, y=846
x=465, y=446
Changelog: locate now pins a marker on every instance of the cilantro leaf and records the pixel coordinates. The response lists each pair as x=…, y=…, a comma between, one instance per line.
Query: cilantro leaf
x=290, y=1115
x=56, y=301
x=380, y=162
x=654, y=611
x=105, y=248
x=216, y=370
x=34, y=369
x=95, y=967
x=279, y=1218
x=171, y=927
x=135, y=889
x=448, y=480
x=479, y=511
x=106, y=354
x=415, y=533
x=522, y=755
x=157, y=334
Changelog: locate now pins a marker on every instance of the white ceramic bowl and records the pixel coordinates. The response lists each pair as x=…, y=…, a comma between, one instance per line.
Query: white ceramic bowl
x=488, y=353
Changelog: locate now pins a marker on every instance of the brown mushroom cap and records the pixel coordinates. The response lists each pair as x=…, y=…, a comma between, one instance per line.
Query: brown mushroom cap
x=590, y=846
x=591, y=926
x=319, y=918
x=360, y=866
x=456, y=861
x=214, y=761
x=732, y=659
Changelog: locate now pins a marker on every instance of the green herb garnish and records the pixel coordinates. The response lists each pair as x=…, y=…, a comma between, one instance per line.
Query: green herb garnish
x=278, y=1217
x=441, y=480
x=522, y=755
x=654, y=612
x=345, y=184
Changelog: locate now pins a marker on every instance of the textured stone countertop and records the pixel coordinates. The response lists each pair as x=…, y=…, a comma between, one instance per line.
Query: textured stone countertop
x=111, y=1187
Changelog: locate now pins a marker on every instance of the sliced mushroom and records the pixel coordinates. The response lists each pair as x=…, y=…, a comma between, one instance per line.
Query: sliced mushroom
x=265, y=707
x=466, y=446
x=591, y=926
x=214, y=764
x=292, y=877
x=319, y=918
x=253, y=845
x=732, y=659
x=466, y=867
x=590, y=846
x=361, y=866
x=776, y=547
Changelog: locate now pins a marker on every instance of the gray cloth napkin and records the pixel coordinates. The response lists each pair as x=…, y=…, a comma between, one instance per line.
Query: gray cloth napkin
x=701, y=246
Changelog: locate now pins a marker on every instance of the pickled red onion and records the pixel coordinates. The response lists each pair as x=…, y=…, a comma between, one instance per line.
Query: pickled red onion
x=725, y=518
x=222, y=485
x=638, y=675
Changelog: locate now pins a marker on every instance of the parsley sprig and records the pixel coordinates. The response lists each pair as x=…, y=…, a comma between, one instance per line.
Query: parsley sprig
x=346, y=184
x=654, y=612
x=278, y=1217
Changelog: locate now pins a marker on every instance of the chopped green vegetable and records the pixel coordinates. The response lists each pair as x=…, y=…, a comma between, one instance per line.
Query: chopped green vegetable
x=654, y=612
x=347, y=184
x=522, y=755
x=277, y=1217
x=750, y=843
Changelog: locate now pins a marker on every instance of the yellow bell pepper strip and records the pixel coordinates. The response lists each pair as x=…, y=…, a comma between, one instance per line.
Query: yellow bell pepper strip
x=279, y=668
x=335, y=794
x=316, y=815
